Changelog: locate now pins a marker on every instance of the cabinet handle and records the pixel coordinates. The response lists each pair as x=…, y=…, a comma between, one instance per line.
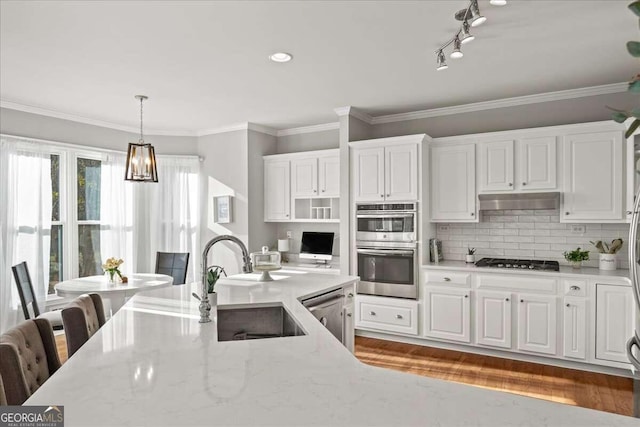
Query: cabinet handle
x=575, y=288
x=323, y=191
x=372, y=313
x=447, y=279
x=524, y=183
x=506, y=299
x=466, y=296
x=566, y=213
x=314, y=191
x=349, y=314
x=629, y=212
x=568, y=305
x=287, y=215
x=511, y=184
x=382, y=195
x=388, y=195
x=350, y=295
x=398, y=316
x=473, y=214
x=521, y=300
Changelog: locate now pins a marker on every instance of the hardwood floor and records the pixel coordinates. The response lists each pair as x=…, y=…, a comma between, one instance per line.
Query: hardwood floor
x=590, y=390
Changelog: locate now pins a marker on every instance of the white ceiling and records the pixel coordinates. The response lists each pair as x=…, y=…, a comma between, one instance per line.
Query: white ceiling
x=204, y=64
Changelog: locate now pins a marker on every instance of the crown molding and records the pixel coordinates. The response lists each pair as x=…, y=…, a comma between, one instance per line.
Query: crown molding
x=503, y=103
x=87, y=120
x=354, y=112
x=263, y=129
x=308, y=129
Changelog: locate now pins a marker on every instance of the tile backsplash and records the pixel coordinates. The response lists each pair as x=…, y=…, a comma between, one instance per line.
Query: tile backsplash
x=527, y=234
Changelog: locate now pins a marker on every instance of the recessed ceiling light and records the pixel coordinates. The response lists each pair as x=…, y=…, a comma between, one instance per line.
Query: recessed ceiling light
x=280, y=57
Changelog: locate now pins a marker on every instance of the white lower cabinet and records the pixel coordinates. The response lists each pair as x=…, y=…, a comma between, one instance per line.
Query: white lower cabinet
x=387, y=314
x=614, y=321
x=349, y=327
x=537, y=323
x=574, y=328
x=447, y=313
x=493, y=319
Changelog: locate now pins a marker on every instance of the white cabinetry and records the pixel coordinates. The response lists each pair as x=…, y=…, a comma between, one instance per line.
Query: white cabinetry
x=329, y=176
x=277, y=201
x=386, y=169
x=447, y=313
x=614, y=321
x=592, y=177
x=496, y=166
x=453, y=183
x=348, y=323
x=493, y=321
x=387, y=314
x=537, y=323
x=304, y=177
x=574, y=328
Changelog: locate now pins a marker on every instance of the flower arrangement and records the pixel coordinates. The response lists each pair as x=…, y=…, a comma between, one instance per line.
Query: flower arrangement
x=111, y=266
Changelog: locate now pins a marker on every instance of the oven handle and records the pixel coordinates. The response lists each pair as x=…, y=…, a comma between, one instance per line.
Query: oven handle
x=386, y=215
x=385, y=252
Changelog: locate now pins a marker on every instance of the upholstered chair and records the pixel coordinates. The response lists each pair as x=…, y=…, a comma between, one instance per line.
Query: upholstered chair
x=27, y=297
x=81, y=319
x=3, y=396
x=173, y=264
x=28, y=357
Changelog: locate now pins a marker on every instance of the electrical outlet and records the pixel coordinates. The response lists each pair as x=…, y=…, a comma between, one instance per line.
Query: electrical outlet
x=578, y=229
x=289, y=234
x=443, y=228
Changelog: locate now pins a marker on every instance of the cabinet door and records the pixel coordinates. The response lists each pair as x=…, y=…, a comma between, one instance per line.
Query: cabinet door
x=537, y=165
x=537, y=327
x=329, y=176
x=348, y=334
x=614, y=321
x=493, y=325
x=453, y=183
x=304, y=177
x=496, y=166
x=401, y=172
x=574, y=328
x=368, y=174
x=592, y=177
x=446, y=313
x=277, y=205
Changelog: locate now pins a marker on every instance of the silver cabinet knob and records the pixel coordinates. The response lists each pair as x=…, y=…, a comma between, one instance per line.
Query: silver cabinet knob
x=388, y=195
x=629, y=212
x=473, y=214
x=575, y=288
x=287, y=215
x=314, y=191
x=568, y=305
x=521, y=300
x=524, y=183
x=566, y=213
x=350, y=295
x=506, y=299
x=511, y=184
x=447, y=279
x=466, y=296
x=398, y=316
x=323, y=191
x=372, y=313
x=382, y=195
x=349, y=314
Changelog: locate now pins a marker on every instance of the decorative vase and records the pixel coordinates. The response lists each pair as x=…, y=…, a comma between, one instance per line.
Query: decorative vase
x=112, y=276
x=213, y=298
x=470, y=259
x=576, y=264
x=607, y=262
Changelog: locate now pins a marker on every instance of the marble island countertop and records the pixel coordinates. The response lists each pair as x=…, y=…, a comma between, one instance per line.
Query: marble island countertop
x=154, y=364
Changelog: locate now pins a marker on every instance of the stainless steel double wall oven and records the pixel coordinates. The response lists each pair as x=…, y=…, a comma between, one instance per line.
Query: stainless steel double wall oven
x=387, y=253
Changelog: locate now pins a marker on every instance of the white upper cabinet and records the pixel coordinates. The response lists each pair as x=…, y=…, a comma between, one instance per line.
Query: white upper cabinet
x=304, y=177
x=368, y=172
x=277, y=198
x=329, y=176
x=401, y=172
x=592, y=177
x=453, y=183
x=537, y=163
x=496, y=166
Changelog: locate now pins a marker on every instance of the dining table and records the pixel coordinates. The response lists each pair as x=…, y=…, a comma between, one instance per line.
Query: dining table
x=114, y=293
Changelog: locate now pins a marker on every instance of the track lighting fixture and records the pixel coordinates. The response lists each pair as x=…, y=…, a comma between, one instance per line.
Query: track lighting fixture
x=470, y=17
x=442, y=64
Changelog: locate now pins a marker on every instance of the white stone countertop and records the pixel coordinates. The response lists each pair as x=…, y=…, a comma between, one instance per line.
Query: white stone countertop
x=153, y=364
x=584, y=272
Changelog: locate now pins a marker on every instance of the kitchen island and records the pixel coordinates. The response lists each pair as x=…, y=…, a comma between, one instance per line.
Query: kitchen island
x=154, y=364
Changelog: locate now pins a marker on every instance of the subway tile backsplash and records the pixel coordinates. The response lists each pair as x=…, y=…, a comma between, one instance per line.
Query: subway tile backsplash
x=527, y=234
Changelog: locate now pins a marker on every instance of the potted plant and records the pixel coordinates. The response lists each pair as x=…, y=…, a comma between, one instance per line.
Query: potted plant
x=471, y=255
x=213, y=274
x=576, y=256
x=608, y=253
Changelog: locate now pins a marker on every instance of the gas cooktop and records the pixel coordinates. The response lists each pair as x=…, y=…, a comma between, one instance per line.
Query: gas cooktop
x=519, y=264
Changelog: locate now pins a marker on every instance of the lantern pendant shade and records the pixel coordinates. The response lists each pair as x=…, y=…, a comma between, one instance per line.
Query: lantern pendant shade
x=141, y=163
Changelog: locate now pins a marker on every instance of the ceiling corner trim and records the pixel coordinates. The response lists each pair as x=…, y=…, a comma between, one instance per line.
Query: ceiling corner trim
x=354, y=112
x=262, y=129
x=308, y=129
x=87, y=120
x=505, y=102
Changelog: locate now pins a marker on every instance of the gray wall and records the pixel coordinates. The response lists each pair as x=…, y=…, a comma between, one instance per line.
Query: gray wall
x=580, y=110
x=18, y=123
x=323, y=140
x=260, y=233
x=297, y=228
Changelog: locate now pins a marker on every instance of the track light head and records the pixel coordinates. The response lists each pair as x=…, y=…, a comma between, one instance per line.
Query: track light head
x=466, y=36
x=442, y=63
x=457, y=53
x=476, y=17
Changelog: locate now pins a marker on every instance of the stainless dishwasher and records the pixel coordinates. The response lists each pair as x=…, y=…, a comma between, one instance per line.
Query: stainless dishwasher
x=327, y=308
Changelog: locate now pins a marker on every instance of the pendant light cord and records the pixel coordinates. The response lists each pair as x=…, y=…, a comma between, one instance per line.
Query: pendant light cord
x=141, y=136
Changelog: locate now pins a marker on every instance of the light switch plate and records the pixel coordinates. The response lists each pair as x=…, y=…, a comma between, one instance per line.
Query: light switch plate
x=578, y=229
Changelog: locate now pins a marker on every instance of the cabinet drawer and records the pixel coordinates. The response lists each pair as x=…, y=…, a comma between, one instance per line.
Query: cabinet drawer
x=387, y=314
x=518, y=283
x=576, y=288
x=448, y=278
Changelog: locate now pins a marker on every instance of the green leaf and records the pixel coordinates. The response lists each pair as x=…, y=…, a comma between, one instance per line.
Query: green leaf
x=634, y=86
x=619, y=117
x=635, y=113
x=632, y=128
x=634, y=49
x=635, y=7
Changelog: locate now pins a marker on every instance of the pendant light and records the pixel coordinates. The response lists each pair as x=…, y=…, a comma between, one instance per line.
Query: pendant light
x=457, y=53
x=141, y=157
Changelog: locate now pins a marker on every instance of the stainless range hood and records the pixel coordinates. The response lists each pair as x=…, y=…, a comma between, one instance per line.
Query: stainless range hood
x=503, y=201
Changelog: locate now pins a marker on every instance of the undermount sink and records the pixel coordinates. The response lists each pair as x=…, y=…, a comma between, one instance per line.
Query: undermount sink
x=251, y=323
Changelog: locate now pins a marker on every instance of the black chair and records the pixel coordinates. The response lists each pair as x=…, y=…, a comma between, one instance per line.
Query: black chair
x=173, y=264
x=27, y=297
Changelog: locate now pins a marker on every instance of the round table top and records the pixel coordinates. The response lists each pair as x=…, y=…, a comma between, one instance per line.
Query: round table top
x=101, y=285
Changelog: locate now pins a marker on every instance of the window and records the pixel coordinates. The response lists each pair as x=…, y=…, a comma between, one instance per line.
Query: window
x=56, y=259
x=88, y=216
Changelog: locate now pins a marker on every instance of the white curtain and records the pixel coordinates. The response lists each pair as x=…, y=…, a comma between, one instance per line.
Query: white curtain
x=116, y=213
x=173, y=211
x=25, y=222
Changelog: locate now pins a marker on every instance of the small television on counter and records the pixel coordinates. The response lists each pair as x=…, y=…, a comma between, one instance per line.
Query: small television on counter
x=317, y=246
